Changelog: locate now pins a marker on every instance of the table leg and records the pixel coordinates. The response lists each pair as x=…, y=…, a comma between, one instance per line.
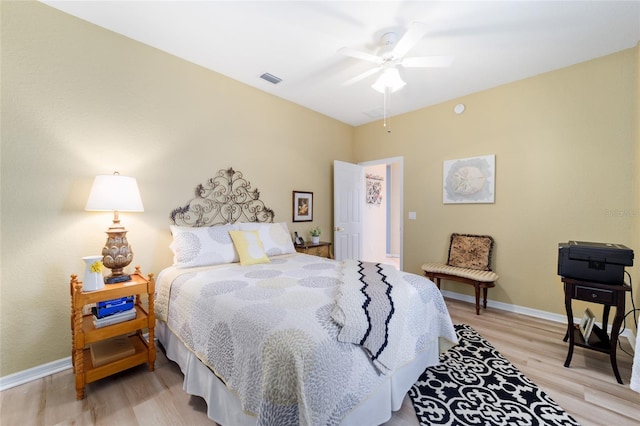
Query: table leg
x=615, y=328
x=605, y=317
x=570, y=335
x=78, y=355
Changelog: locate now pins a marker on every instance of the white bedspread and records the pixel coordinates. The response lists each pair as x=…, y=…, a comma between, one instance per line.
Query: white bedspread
x=266, y=331
x=635, y=371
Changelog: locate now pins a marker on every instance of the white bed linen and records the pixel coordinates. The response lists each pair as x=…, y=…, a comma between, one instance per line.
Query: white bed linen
x=223, y=406
x=635, y=371
x=251, y=298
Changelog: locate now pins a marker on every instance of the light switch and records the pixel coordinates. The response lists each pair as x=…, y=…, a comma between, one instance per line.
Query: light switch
x=412, y=215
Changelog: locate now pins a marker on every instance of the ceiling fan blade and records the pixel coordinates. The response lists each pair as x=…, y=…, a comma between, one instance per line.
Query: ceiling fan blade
x=358, y=54
x=414, y=34
x=361, y=76
x=427, y=62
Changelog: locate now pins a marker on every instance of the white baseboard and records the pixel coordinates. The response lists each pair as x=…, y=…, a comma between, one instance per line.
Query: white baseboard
x=536, y=313
x=44, y=370
x=40, y=371
x=35, y=373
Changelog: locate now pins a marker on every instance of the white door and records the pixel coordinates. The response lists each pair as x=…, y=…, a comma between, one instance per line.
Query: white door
x=348, y=201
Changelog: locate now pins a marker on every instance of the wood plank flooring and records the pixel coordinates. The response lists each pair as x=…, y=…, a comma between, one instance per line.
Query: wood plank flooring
x=588, y=389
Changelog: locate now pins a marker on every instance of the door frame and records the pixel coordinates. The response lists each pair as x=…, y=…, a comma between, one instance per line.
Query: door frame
x=400, y=161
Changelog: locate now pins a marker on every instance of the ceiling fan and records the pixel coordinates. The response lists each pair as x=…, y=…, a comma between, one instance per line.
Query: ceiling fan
x=390, y=56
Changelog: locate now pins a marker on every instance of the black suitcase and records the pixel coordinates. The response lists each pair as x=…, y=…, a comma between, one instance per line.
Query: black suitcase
x=599, y=262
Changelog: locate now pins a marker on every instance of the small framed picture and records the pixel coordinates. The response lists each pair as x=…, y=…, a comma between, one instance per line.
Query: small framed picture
x=586, y=325
x=302, y=206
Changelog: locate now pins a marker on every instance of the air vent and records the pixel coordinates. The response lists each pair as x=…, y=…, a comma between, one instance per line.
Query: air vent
x=270, y=78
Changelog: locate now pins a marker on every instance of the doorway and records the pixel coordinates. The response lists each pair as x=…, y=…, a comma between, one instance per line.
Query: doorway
x=382, y=211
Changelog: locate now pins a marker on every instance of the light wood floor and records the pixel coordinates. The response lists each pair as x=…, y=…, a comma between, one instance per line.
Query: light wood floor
x=588, y=389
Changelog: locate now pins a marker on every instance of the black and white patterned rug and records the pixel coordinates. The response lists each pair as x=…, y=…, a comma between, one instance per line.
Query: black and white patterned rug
x=475, y=385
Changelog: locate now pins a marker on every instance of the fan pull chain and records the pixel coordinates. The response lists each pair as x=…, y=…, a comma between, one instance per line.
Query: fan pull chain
x=386, y=104
x=384, y=107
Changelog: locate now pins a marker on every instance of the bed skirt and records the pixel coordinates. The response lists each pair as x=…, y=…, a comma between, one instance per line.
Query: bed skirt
x=223, y=406
x=635, y=369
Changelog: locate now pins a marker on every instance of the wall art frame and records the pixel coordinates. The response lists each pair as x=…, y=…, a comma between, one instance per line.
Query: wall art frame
x=302, y=206
x=469, y=180
x=374, y=189
x=586, y=325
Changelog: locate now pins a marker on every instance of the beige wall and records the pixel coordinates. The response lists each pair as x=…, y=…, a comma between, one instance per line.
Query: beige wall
x=77, y=101
x=563, y=143
x=635, y=271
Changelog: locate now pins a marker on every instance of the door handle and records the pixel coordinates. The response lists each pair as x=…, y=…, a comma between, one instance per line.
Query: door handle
x=338, y=229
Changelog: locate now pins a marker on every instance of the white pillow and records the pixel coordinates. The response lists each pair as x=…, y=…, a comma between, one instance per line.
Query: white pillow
x=275, y=237
x=202, y=246
x=249, y=247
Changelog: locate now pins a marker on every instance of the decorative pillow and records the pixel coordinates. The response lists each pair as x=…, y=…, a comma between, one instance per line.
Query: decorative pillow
x=202, y=246
x=249, y=247
x=275, y=237
x=470, y=251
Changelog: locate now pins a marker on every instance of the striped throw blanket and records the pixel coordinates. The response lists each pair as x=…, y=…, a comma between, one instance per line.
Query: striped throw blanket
x=366, y=310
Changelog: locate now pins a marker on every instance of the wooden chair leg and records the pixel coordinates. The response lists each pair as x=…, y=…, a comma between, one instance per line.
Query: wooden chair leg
x=477, y=287
x=436, y=280
x=484, y=294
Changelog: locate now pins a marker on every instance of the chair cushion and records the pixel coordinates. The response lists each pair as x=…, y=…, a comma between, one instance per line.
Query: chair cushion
x=470, y=251
x=472, y=274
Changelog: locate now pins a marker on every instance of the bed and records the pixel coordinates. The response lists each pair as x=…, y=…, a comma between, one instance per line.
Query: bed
x=268, y=336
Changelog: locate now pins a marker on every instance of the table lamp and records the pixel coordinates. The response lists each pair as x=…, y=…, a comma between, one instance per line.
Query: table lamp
x=118, y=194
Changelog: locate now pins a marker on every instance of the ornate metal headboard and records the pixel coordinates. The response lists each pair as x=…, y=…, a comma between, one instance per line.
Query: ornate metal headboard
x=225, y=198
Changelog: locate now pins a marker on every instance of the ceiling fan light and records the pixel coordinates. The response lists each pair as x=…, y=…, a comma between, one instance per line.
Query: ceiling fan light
x=390, y=78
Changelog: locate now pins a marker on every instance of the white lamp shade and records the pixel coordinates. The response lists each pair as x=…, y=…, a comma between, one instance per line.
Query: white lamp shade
x=114, y=193
x=390, y=78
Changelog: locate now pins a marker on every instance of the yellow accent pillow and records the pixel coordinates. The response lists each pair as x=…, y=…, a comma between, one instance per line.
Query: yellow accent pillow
x=249, y=247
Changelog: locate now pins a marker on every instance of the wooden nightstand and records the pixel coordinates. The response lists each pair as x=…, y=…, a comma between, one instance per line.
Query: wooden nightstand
x=84, y=333
x=322, y=249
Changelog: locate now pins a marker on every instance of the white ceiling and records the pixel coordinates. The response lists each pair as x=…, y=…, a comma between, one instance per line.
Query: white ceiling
x=493, y=43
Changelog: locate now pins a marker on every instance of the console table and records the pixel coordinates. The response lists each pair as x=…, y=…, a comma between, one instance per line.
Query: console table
x=605, y=294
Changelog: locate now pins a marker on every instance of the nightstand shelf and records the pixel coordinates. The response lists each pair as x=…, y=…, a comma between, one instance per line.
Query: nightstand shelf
x=96, y=373
x=84, y=333
x=93, y=334
x=598, y=340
